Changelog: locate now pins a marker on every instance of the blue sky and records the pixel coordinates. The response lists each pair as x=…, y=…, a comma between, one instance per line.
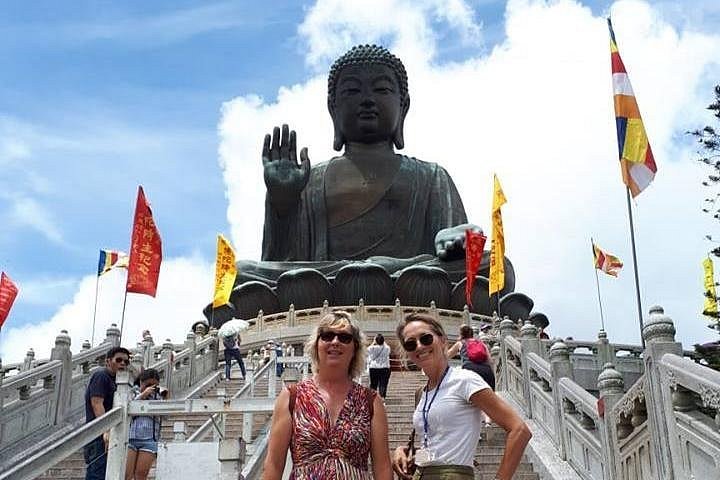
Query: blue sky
x=98, y=97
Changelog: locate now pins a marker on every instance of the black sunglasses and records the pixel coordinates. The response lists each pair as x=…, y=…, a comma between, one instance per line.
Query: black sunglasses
x=425, y=339
x=126, y=361
x=329, y=336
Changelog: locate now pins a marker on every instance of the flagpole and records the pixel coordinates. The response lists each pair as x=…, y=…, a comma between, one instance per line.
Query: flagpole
x=122, y=318
x=634, y=255
x=597, y=284
x=92, y=338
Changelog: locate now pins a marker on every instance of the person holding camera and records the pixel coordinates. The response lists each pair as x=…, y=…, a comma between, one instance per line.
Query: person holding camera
x=144, y=429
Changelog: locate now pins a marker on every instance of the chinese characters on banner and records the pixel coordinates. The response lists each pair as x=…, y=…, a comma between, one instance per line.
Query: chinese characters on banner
x=145, y=250
x=225, y=272
x=8, y=292
x=474, y=244
x=497, y=244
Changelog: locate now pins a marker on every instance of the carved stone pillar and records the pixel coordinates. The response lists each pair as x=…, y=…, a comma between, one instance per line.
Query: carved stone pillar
x=605, y=351
x=61, y=352
x=291, y=315
x=659, y=335
x=167, y=353
x=530, y=344
x=191, y=364
x=29, y=360
x=561, y=367
x=112, y=335
x=507, y=329
x=611, y=387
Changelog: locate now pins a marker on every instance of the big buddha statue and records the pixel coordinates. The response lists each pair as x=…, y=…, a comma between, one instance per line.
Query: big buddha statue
x=370, y=222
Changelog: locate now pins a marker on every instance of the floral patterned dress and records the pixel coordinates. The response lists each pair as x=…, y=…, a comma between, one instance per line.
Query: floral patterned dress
x=323, y=451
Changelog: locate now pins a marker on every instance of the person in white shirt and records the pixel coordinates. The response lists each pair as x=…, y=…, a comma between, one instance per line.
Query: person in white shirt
x=448, y=417
x=379, y=365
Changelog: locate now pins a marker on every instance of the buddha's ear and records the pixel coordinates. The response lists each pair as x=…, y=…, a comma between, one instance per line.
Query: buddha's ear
x=338, y=137
x=398, y=137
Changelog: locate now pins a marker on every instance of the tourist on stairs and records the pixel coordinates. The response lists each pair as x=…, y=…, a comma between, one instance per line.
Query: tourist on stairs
x=448, y=417
x=379, y=365
x=330, y=423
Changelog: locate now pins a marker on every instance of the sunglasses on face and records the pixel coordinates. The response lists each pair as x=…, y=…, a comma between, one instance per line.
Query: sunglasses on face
x=425, y=339
x=124, y=361
x=329, y=336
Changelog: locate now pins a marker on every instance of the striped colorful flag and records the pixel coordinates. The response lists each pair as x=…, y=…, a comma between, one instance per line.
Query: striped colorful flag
x=636, y=158
x=609, y=264
x=110, y=259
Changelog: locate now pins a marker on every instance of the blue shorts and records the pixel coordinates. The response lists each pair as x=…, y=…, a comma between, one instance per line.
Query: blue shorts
x=148, y=445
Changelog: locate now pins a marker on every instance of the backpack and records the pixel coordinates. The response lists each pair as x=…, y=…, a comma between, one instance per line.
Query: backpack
x=476, y=351
x=229, y=342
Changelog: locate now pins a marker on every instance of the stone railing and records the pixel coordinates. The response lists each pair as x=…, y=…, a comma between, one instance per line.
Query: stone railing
x=666, y=425
x=41, y=400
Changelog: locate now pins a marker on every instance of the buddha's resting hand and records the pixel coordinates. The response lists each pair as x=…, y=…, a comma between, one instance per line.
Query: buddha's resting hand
x=285, y=179
x=450, y=242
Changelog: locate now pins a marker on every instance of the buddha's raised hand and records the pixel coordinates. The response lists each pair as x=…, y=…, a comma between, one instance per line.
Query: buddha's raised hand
x=285, y=179
x=450, y=242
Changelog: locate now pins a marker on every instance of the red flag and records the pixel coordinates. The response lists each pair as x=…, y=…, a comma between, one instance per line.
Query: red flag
x=145, y=250
x=474, y=244
x=8, y=292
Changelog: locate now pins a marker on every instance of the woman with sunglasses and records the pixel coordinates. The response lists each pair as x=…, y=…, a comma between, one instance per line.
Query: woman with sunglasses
x=448, y=418
x=330, y=423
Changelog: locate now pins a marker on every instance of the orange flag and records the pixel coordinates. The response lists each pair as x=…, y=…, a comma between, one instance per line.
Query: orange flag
x=145, y=250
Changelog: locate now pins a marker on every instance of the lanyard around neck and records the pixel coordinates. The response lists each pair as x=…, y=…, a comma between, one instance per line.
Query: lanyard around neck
x=426, y=406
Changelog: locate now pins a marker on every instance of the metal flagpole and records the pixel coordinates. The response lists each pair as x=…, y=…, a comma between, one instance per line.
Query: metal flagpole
x=122, y=318
x=92, y=337
x=634, y=254
x=597, y=284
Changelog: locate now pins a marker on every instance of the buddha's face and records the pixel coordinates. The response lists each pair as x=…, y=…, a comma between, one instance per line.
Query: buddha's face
x=367, y=103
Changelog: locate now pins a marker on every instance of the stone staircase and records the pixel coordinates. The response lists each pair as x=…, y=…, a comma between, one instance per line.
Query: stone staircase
x=400, y=404
x=73, y=467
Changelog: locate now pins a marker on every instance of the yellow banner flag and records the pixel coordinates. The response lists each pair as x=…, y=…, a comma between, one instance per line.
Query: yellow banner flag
x=225, y=272
x=711, y=308
x=497, y=246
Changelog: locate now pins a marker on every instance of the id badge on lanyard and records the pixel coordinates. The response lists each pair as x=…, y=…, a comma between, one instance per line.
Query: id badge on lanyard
x=424, y=455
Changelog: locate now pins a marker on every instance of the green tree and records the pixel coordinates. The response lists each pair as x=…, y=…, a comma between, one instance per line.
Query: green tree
x=709, y=153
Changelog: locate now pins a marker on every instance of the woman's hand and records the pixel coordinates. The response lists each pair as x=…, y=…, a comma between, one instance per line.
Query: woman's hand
x=401, y=462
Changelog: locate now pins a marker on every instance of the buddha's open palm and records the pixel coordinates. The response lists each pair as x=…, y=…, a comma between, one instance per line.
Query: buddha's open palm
x=285, y=179
x=450, y=242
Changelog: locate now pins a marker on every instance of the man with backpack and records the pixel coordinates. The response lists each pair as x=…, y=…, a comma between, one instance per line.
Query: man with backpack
x=232, y=351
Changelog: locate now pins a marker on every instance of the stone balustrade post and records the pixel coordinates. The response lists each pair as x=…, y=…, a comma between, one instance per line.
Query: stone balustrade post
x=231, y=455
x=86, y=345
x=148, y=346
x=397, y=312
x=361, y=310
x=507, y=329
x=112, y=335
x=605, y=351
x=2, y=376
x=190, y=344
x=61, y=352
x=117, y=446
x=530, y=343
x=466, y=315
x=136, y=363
x=179, y=431
x=611, y=387
x=560, y=367
x=434, y=312
x=325, y=307
x=291, y=315
x=168, y=353
x=29, y=360
x=260, y=322
x=214, y=350
x=659, y=335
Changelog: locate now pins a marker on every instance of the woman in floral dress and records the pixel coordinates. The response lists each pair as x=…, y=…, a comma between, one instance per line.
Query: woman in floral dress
x=330, y=423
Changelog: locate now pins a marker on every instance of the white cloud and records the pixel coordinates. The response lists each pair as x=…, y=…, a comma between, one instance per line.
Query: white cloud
x=185, y=286
x=537, y=111
x=30, y=213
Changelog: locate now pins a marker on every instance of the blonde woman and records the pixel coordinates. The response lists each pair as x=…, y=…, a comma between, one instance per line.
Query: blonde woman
x=330, y=423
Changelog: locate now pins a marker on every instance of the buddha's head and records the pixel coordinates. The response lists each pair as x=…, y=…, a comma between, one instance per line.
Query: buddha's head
x=368, y=97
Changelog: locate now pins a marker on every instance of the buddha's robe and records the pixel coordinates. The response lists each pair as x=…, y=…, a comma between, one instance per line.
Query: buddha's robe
x=395, y=230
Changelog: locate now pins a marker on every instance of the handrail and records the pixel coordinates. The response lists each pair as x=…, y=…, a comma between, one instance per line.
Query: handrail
x=579, y=396
x=24, y=378
x=540, y=365
x=90, y=354
x=41, y=461
x=203, y=429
